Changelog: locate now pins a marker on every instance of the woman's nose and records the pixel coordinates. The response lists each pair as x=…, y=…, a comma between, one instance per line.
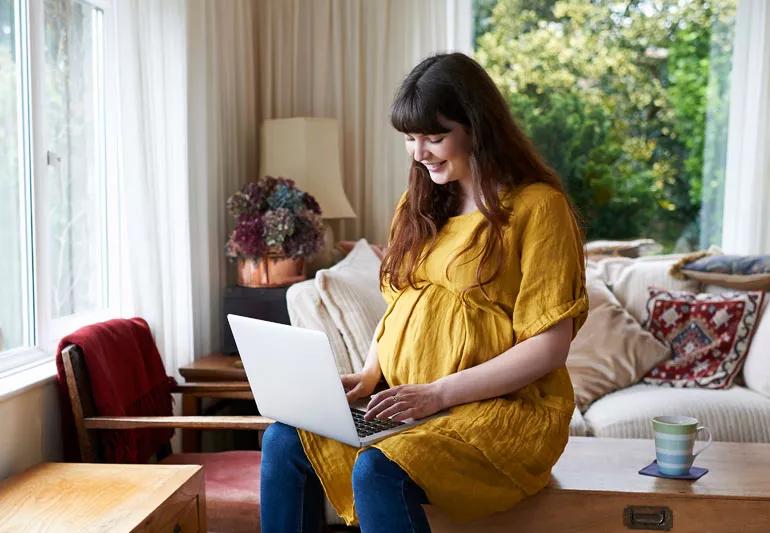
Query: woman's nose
x=420, y=151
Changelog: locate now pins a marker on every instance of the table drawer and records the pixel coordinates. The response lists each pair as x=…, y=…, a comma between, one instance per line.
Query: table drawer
x=183, y=512
x=575, y=512
x=187, y=521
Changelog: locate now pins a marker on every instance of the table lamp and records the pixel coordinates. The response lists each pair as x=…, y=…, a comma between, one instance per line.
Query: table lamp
x=307, y=150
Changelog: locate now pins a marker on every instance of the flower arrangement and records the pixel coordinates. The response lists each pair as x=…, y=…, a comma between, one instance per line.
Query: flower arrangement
x=274, y=218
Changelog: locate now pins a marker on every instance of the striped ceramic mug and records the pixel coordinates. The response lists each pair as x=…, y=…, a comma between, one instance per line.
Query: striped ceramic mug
x=674, y=441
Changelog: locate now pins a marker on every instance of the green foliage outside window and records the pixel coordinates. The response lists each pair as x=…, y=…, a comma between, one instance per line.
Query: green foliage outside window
x=616, y=95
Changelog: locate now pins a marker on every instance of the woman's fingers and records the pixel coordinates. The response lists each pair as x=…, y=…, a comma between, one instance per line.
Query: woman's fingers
x=359, y=391
x=353, y=385
x=404, y=401
x=350, y=380
x=395, y=407
x=407, y=413
x=377, y=398
x=380, y=402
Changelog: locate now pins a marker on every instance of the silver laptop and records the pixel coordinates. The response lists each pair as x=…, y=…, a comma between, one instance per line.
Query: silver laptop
x=294, y=379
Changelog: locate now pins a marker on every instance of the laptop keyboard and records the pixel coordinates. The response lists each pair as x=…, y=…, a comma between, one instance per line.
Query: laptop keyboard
x=370, y=427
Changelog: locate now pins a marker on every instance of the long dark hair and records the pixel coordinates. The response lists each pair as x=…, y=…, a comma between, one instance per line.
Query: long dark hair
x=457, y=88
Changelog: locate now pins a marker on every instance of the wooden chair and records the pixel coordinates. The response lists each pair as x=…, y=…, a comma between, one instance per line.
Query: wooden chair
x=232, y=478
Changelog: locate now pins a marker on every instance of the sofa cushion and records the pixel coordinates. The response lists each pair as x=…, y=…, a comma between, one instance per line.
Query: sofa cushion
x=739, y=272
x=599, y=363
x=735, y=414
x=628, y=279
x=756, y=368
x=633, y=248
x=709, y=336
x=306, y=310
x=350, y=291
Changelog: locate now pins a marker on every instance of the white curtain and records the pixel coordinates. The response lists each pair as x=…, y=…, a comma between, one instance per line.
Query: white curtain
x=345, y=59
x=255, y=59
x=746, y=216
x=153, y=170
x=223, y=141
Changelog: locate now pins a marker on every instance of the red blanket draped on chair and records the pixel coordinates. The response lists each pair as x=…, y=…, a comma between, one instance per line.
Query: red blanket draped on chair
x=127, y=378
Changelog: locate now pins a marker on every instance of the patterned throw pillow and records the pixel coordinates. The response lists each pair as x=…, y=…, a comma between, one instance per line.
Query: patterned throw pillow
x=709, y=335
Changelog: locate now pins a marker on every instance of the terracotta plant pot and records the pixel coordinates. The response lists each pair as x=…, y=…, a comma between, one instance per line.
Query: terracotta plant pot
x=270, y=271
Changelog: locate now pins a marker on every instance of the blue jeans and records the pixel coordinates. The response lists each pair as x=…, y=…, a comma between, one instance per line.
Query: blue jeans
x=292, y=499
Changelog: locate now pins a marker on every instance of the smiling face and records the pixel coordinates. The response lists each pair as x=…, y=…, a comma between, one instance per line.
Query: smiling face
x=446, y=156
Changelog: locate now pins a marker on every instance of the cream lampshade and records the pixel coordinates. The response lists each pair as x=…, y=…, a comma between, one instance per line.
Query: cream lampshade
x=307, y=150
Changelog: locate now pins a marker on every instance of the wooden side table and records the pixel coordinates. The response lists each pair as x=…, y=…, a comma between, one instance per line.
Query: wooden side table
x=215, y=366
x=212, y=367
x=66, y=497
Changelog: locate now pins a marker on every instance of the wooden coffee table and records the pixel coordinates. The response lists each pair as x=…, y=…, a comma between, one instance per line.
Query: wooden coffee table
x=68, y=497
x=595, y=487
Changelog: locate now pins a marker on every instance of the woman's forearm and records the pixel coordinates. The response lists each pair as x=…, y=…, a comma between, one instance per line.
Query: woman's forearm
x=372, y=363
x=510, y=371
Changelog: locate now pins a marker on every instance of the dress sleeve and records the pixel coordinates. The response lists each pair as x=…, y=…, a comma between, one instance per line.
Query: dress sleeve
x=553, y=269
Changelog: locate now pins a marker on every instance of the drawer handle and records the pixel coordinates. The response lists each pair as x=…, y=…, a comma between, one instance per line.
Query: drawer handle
x=648, y=518
x=177, y=528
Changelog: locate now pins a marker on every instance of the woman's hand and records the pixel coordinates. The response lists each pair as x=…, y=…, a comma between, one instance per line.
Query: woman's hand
x=405, y=401
x=359, y=384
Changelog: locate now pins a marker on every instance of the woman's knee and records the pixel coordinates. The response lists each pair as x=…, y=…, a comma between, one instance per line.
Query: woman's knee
x=281, y=441
x=372, y=467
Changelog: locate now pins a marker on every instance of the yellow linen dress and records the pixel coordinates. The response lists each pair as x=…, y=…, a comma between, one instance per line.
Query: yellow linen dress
x=484, y=456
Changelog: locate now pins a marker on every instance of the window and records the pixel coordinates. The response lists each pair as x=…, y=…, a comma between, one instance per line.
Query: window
x=58, y=202
x=628, y=101
x=14, y=227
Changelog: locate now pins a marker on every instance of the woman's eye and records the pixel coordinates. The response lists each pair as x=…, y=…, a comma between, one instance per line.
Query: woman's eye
x=409, y=139
x=436, y=140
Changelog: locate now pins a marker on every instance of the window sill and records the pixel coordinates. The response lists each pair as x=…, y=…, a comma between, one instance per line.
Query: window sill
x=34, y=375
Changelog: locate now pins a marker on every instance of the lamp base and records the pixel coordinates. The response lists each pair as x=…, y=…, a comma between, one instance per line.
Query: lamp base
x=327, y=256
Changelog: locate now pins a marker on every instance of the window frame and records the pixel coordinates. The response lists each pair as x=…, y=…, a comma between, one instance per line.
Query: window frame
x=42, y=334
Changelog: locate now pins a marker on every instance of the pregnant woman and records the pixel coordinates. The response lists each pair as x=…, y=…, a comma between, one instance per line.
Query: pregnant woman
x=485, y=284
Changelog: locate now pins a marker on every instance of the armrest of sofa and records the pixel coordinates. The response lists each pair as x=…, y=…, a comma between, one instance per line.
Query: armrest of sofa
x=577, y=425
x=756, y=368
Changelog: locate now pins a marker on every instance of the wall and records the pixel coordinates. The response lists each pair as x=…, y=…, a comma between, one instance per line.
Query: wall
x=29, y=428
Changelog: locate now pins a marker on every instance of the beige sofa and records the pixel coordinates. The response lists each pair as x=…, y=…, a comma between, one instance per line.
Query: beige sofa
x=344, y=302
